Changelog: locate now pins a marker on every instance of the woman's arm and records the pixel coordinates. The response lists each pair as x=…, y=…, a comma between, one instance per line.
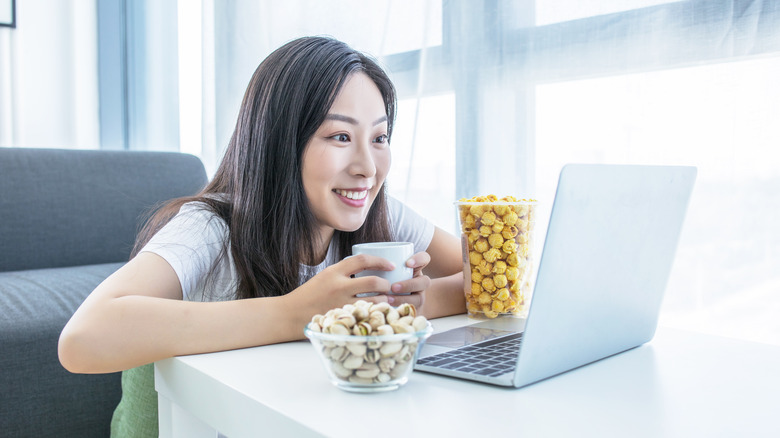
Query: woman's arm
x=445, y=295
x=136, y=316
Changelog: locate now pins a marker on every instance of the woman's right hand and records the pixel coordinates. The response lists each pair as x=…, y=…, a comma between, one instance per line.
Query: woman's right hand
x=336, y=285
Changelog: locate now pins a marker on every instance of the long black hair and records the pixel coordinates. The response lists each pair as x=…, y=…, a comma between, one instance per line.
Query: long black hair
x=258, y=188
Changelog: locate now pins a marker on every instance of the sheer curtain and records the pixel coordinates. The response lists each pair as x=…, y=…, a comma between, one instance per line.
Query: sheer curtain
x=48, y=76
x=497, y=95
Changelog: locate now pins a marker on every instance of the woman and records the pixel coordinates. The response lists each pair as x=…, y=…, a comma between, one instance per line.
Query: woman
x=261, y=249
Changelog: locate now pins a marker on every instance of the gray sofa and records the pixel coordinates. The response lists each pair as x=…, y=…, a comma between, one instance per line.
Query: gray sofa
x=68, y=219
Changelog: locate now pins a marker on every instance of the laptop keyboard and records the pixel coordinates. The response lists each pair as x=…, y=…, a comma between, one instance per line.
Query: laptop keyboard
x=492, y=358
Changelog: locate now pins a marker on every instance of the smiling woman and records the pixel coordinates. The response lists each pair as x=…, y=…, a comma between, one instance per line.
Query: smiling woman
x=263, y=247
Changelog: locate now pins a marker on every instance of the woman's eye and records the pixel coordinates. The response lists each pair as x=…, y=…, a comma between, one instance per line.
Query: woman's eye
x=341, y=137
x=382, y=139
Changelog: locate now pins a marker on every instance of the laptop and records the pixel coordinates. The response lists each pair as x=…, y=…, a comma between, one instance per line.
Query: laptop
x=610, y=244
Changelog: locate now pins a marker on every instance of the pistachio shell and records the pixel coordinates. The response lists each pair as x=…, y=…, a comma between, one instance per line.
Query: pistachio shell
x=382, y=378
x=404, y=355
x=360, y=313
x=406, y=320
x=376, y=318
x=407, y=309
x=419, y=323
x=353, y=362
x=338, y=353
x=399, y=370
x=361, y=380
x=381, y=307
x=363, y=304
x=372, y=356
x=386, y=364
x=339, y=370
x=401, y=328
x=357, y=348
x=348, y=320
x=392, y=315
x=367, y=370
x=383, y=330
x=337, y=328
x=390, y=348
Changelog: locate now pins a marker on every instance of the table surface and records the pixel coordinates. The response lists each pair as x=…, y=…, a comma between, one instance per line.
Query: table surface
x=679, y=384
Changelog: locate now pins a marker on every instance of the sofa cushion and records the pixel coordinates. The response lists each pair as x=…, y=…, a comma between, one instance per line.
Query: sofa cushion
x=39, y=397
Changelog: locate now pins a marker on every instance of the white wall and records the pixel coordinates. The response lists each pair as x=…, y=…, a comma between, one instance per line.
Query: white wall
x=48, y=76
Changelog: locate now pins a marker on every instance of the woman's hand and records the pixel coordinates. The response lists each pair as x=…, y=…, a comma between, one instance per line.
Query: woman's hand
x=413, y=289
x=336, y=286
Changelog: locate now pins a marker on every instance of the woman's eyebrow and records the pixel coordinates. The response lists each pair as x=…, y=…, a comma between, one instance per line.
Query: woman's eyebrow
x=351, y=120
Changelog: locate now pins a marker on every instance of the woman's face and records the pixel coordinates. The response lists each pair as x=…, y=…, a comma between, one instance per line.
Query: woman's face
x=347, y=159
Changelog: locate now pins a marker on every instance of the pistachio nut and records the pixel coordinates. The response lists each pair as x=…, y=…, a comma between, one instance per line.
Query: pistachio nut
x=356, y=348
x=384, y=330
x=353, y=362
x=386, y=364
x=338, y=353
x=404, y=355
x=382, y=378
x=339, y=370
x=347, y=320
x=372, y=356
x=392, y=315
x=362, y=329
x=360, y=313
x=419, y=323
x=401, y=328
x=381, y=307
x=405, y=320
x=390, y=348
x=361, y=380
x=407, y=309
x=399, y=370
x=367, y=370
x=376, y=319
x=337, y=328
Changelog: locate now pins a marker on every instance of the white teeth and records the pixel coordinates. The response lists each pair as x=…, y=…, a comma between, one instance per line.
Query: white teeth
x=352, y=195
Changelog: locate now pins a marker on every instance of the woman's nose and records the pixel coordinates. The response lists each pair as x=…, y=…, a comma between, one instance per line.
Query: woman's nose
x=363, y=162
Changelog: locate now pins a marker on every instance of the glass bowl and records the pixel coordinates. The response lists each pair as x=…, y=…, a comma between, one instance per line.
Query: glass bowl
x=368, y=363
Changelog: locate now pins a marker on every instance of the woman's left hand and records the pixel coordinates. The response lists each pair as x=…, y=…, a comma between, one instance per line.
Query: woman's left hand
x=414, y=288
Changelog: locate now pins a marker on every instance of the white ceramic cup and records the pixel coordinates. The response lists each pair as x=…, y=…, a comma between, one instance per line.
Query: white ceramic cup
x=398, y=253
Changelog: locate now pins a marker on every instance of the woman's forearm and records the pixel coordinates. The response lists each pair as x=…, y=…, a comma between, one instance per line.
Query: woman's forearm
x=129, y=331
x=445, y=297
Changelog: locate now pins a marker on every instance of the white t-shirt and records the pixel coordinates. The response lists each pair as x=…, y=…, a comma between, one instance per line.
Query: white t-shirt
x=192, y=243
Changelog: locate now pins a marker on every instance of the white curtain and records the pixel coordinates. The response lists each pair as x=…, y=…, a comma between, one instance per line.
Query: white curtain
x=497, y=95
x=48, y=76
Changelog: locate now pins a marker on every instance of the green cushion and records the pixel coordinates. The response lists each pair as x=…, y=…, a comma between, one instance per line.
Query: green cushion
x=136, y=414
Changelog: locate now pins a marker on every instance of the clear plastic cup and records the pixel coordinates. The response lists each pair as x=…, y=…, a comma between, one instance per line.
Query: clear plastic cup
x=497, y=241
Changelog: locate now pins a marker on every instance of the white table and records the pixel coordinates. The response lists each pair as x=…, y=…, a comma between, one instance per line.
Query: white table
x=681, y=384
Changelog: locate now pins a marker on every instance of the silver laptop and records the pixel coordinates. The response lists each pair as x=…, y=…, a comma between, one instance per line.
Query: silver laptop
x=609, y=249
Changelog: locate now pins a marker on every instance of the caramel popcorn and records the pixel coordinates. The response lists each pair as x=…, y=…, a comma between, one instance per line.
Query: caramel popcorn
x=497, y=240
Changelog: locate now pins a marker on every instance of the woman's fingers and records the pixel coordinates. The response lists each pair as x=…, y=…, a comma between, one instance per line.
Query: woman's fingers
x=369, y=284
x=362, y=262
x=416, y=284
x=418, y=262
x=416, y=299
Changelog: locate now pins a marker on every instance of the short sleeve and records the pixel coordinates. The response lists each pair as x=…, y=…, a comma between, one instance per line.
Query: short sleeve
x=409, y=226
x=192, y=243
